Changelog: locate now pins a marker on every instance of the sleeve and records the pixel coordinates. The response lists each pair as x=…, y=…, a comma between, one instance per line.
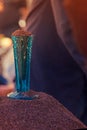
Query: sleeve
x=60, y=18
x=64, y=30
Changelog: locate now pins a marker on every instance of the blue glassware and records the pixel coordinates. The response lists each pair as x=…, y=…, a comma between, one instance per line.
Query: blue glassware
x=22, y=46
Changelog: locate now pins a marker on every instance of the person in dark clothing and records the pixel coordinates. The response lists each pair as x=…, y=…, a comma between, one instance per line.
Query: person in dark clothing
x=57, y=67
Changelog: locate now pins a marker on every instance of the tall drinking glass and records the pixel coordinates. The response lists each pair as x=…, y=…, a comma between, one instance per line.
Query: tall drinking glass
x=22, y=46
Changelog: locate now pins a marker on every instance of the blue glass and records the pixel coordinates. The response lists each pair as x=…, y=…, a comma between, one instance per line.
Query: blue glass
x=22, y=46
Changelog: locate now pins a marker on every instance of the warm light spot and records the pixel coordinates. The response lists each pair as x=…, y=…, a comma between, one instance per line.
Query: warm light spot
x=5, y=42
x=1, y=6
x=22, y=23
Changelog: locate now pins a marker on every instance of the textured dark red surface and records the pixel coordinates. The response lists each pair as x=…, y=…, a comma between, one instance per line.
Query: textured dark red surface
x=43, y=113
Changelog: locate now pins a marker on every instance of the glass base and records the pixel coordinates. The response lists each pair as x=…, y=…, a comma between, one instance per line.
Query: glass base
x=21, y=96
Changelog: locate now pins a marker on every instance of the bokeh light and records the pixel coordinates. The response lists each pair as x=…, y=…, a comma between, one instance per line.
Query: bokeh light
x=1, y=6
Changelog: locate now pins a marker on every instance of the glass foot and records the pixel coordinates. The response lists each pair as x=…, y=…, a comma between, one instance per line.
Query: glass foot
x=21, y=96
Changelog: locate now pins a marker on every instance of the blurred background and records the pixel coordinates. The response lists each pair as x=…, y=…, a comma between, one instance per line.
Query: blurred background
x=12, y=17
x=77, y=13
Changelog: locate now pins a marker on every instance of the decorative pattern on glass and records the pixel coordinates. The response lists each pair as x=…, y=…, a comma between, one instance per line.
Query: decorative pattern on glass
x=22, y=46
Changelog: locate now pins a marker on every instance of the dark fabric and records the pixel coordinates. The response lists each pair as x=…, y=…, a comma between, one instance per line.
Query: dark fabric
x=3, y=81
x=54, y=69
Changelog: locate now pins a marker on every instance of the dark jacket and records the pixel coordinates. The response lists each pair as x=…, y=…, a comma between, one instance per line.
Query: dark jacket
x=57, y=68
